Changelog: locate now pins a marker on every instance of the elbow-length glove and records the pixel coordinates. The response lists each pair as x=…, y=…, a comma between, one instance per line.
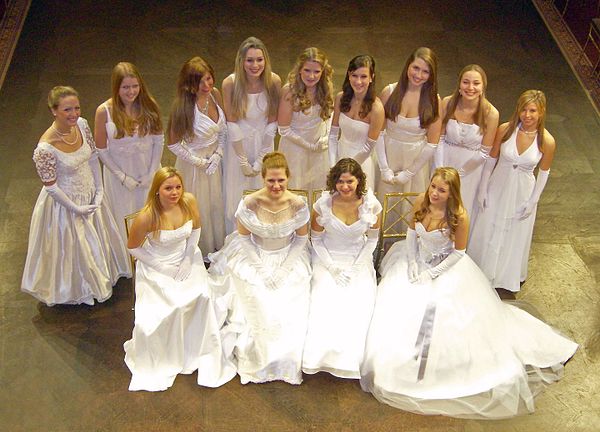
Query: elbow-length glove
x=158, y=143
x=185, y=266
x=129, y=182
x=150, y=260
x=288, y=132
x=424, y=156
x=297, y=247
x=322, y=252
x=525, y=209
x=268, y=144
x=364, y=254
x=236, y=138
x=365, y=151
x=488, y=167
x=475, y=161
x=215, y=159
x=60, y=197
x=254, y=260
x=95, y=168
x=181, y=150
x=387, y=175
x=432, y=273
x=411, y=255
x=333, y=145
x=438, y=156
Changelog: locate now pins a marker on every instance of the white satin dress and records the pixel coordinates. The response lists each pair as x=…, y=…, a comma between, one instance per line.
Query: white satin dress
x=353, y=136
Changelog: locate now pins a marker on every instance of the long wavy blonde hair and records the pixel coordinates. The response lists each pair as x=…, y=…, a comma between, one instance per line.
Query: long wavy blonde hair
x=529, y=96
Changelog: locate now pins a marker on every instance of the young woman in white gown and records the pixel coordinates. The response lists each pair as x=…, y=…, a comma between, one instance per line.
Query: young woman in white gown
x=508, y=197
x=469, y=126
x=345, y=230
x=177, y=316
x=74, y=254
x=304, y=109
x=129, y=137
x=412, y=126
x=441, y=341
x=266, y=266
x=250, y=100
x=197, y=135
x=358, y=115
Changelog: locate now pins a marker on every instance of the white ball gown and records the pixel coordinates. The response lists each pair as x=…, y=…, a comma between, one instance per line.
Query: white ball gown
x=177, y=323
x=450, y=346
x=209, y=138
x=268, y=314
x=136, y=156
x=353, y=135
x=309, y=167
x=72, y=259
x=497, y=228
x=340, y=313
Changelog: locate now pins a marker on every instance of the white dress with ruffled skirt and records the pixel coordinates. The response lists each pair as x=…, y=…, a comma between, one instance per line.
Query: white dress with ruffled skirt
x=177, y=323
x=340, y=315
x=451, y=346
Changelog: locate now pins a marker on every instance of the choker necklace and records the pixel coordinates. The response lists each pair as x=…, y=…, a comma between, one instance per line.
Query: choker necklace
x=63, y=135
x=527, y=132
x=204, y=110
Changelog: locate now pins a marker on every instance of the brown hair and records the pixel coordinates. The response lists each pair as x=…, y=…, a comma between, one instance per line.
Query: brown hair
x=347, y=91
x=347, y=165
x=529, y=96
x=274, y=160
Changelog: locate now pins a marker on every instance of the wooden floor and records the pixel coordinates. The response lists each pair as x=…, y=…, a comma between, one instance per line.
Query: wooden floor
x=62, y=369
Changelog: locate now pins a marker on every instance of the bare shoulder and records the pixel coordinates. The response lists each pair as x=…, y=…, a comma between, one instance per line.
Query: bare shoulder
x=286, y=92
x=101, y=110
x=143, y=220
x=493, y=113
x=338, y=97
x=549, y=141
x=502, y=128
x=227, y=83
x=463, y=217
x=217, y=95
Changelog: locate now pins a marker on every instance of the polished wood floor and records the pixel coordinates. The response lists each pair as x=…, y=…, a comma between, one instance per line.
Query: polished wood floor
x=62, y=369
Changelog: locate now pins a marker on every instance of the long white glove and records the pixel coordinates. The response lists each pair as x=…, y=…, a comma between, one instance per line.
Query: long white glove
x=333, y=145
x=60, y=197
x=129, y=182
x=214, y=161
x=525, y=209
x=249, y=249
x=95, y=168
x=268, y=145
x=438, y=156
x=181, y=150
x=185, y=266
x=366, y=253
x=475, y=161
x=322, y=252
x=322, y=144
x=144, y=256
x=488, y=167
x=288, y=132
x=158, y=143
x=287, y=266
x=365, y=151
x=411, y=255
x=387, y=175
x=424, y=156
x=236, y=137
x=432, y=273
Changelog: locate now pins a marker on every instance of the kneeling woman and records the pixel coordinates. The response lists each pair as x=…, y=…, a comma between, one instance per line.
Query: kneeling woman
x=441, y=341
x=266, y=267
x=176, y=319
x=345, y=231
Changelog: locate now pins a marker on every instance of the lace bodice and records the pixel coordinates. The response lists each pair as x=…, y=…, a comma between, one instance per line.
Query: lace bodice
x=434, y=246
x=526, y=161
x=169, y=245
x=70, y=170
x=344, y=238
x=354, y=133
x=463, y=135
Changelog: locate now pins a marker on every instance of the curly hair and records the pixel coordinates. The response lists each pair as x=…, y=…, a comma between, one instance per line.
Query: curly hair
x=350, y=166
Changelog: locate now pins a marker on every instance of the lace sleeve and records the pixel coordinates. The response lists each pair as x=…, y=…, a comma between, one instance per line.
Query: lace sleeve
x=45, y=164
x=302, y=213
x=87, y=133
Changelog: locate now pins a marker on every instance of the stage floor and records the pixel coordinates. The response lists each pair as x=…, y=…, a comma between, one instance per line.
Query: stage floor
x=62, y=368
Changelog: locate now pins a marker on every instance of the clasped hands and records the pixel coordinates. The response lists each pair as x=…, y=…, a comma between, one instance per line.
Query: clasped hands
x=388, y=176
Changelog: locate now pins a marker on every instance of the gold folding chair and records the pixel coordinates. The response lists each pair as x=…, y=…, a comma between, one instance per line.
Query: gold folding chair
x=397, y=210
x=128, y=222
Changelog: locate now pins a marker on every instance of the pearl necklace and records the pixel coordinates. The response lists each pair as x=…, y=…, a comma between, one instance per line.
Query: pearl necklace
x=63, y=135
x=527, y=132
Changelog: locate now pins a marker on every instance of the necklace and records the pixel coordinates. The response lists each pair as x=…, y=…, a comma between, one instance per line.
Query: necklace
x=204, y=110
x=63, y=135
x=527, y=132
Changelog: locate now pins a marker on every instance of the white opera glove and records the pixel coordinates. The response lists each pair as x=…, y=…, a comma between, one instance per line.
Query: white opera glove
x=525, y=209
x=249, y=249
x=432, y=273
x=411, y=255
x=475, y=161
x=424, y=156
x=60, y=197
x=321, y=144
x=129, y=182
x=387, y=175
x=185, y=266
x=288, y=132
x=322, y=252
x=297, y=247
x=438, y=156
x=333, y=145
x=95, y=168
x=150, y=260
x=213, y=163
x=365, y=151
x=488, y=167
x=181, y=150
x=236, y=137
x=364, y=255
x=403, y=177
x=158, y=144
x=268, y=145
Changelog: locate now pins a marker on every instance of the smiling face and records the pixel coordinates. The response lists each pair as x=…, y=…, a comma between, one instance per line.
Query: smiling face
x=67, y=112
x=310, y=73
x=275, y=181
x=471, y=85
x=438, y=191
x=170, y=191
x=129, y=90
x=530, y=116
x=346, y=185
x=207, y=83
x=360, y=79
x=418, y=72
x=254, y=62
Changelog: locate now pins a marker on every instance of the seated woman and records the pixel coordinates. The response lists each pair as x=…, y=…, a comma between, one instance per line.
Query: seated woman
x=266, y=267
x=441, y=341
x=345, y=223
x=176, y=318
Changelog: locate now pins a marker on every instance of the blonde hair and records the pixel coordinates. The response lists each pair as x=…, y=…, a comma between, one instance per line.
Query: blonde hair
x=274, y=160
x=538, y=98
x=483, y=105
x=153, y=205
x=324, y=93
x=240, y=84
x=181, y=119
x=454, y=205
x=428, y=100
x=59, y=92
x=148, y=114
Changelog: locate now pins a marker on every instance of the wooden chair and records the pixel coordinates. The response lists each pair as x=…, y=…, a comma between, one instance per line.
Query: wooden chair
x=128, y=222
x=397, y=210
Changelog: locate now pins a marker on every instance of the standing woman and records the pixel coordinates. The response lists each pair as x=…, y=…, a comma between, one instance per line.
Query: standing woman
x=358, y=114
x=304, y=109
x=75, y=254
x=413, y=125
x=504, y=227
x=469, y=126
x=345, y=230
x=197, y=135
x=129, y=137
x=250, y=100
